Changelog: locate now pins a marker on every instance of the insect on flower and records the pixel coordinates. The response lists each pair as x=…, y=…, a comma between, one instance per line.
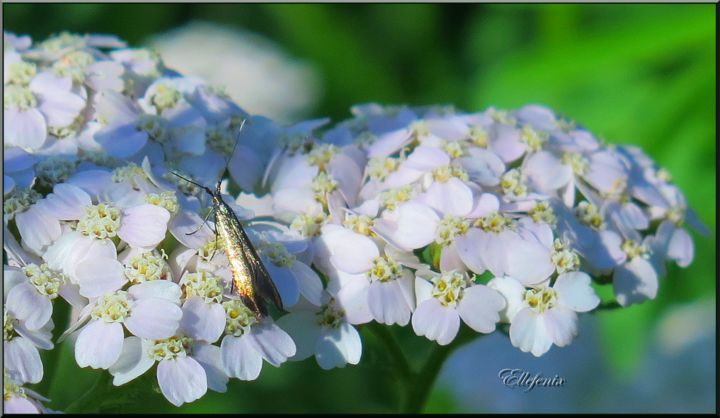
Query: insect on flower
x=251, y=279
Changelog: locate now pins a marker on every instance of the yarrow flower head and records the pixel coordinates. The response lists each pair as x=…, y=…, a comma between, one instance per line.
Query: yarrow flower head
x=427, y=217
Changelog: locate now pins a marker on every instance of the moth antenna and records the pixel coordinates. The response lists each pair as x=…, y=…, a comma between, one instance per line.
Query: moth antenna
x=237, y=139
x=207, y=189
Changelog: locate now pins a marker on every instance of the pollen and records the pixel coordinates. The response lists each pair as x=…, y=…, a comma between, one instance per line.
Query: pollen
x=513, y=184
x=277, y=253
x=542, y=212
x=100, y=221
x=238, y=318
x=46, y=281
x=330, y=315
x=166, y=199
x=532, y=138
x=494, y=222
x=361, y=224
x=576, y=162
x=564, y=258
x=324, y=183
x=146, y=267
x=634, y=249
x=448, y=287
x=308, y=225
x=454, y=149
x=12, y=389
x=589, y=214
x=449, y=228
x=17, y=97
x=73, y=65
x=129, y=174
x=445, y=173
x=321, y=155
x=379, y=168
x=204, y=285
x=502, y=117
x=63, y=41
x=18, y=201
x=210, y=249
x=390, y=199
x=170, y=348
x=479, y=136
x=384, y=269
x=540, y=300
x=419, y=129
x=113, y=307
x=21, y=73
x=164, y=97
x=8, y=326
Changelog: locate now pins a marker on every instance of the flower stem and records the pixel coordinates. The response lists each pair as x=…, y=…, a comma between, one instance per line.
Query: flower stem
x=393, y=347
x=91, y=400
x=419, y=388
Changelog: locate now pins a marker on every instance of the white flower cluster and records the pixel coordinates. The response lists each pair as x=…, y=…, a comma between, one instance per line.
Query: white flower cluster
x=399, y=216
x=431, y=216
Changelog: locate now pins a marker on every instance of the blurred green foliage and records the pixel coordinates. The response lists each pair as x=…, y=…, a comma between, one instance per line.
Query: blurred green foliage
x=640, y=74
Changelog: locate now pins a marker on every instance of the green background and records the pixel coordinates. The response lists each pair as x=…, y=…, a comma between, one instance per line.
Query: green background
x=640, y=74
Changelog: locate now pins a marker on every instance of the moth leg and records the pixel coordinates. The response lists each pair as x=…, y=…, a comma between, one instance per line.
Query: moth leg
x=215, y=247
x=203, y=224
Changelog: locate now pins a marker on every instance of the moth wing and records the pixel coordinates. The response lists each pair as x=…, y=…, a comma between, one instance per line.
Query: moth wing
x=259, y=275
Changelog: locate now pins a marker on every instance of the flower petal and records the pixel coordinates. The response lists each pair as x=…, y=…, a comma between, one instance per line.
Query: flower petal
x=132, y=363
x=528, y=333
x=154, y=318
x=27, y=305
x=181, y=380
x=24, y=129
x=201, y=320
x=337, y=347
x=388, y=303
x=99, y=344
x=144, y=226
x=67, y=202
x=436, y=322
x=163, y=289
x=22, y=360
x=37, y=227
x=240, y=358
x=635, y=281
x=416, y=225
x=99, y=276
x=304, y=331
x=480, y=308
x=210, y=358
x=575, y=292
x=273, y=344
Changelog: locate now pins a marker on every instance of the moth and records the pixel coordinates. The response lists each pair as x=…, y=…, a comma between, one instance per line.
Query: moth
x=250, y=278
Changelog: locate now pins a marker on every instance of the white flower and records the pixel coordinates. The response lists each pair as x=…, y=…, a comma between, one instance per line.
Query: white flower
x=325, y=333
x=444, y=299
x=369, y=282
x=147, y=310
x=186, y=369
x=32, y=106
x=20, y=341
x=20, y=400
x=546, y=315
x=249, y=341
